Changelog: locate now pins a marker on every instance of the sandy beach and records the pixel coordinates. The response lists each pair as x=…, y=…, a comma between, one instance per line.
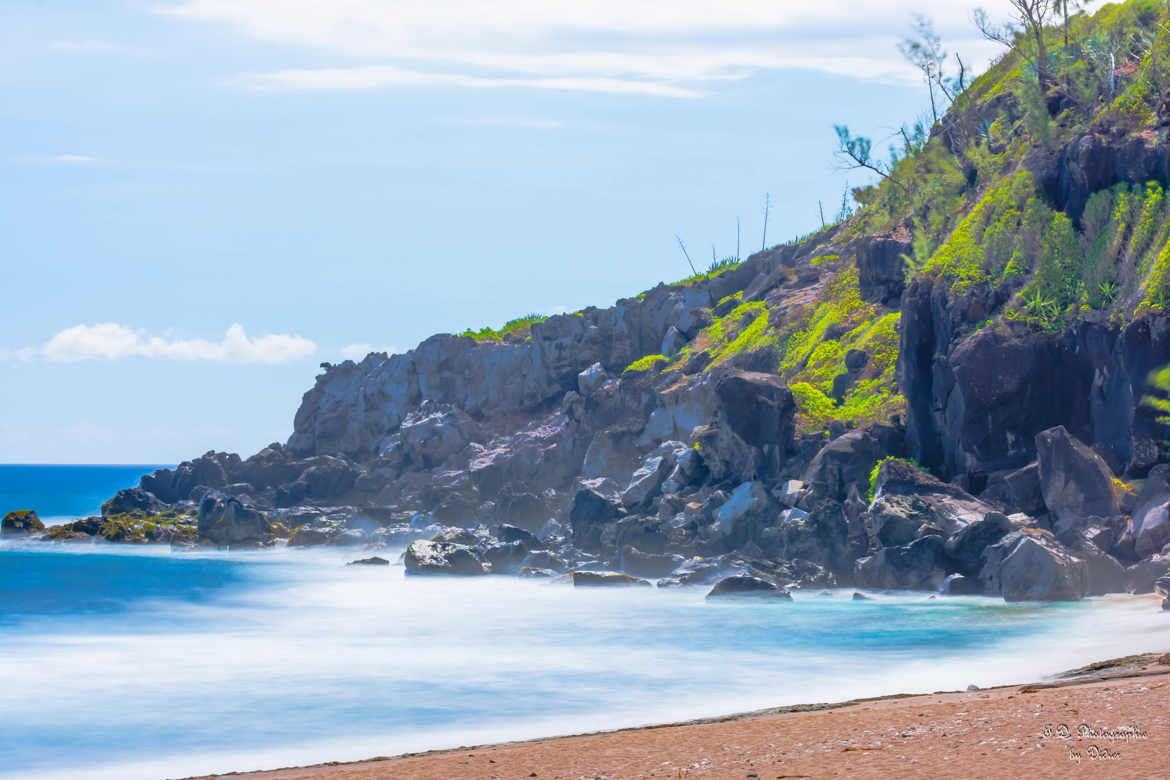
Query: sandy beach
x=1112, y=722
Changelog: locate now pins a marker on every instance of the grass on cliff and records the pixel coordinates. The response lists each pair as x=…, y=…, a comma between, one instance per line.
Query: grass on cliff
x=517, y=327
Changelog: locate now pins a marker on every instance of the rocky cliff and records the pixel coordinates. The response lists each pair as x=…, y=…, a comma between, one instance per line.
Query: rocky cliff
x=992, y=314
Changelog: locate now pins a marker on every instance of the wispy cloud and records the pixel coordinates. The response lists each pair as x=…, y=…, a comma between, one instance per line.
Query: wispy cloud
x=681, y=49
x=357, y=352
x=58, y=159
x=384, y=76
x=113, y=341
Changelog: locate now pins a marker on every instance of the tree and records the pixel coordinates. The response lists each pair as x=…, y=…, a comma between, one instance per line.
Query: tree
x=856, y=152
x=1030, y=17
x=924, y=51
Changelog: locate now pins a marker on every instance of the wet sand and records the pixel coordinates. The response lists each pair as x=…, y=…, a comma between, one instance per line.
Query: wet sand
x=1113, y=723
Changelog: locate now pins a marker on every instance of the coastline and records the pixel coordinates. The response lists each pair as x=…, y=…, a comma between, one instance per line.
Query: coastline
x=1106, y=719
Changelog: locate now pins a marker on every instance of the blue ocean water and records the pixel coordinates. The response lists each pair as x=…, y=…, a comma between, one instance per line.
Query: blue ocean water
x=136, y=662
x=64, y=491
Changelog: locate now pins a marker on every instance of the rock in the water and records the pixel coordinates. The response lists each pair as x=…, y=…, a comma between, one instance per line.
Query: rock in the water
x=743, y=585
x=1145, y=575
x=1151, y=519
x=132, y=500
x=916, y=566
x=373, y=560
x=1075, y=481
x=512, y=533
x=1033, y=566
x=225, y=520
x=1016, y=491
x=22, y=522
x=308, y=536
x=861, y=597
x=424, y=557
x=598, y=578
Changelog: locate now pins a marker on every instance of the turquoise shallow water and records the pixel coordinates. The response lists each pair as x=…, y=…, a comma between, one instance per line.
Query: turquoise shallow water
x=137, y=662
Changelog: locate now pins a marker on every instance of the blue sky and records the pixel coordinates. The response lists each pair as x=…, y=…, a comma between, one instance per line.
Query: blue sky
x=201, y=200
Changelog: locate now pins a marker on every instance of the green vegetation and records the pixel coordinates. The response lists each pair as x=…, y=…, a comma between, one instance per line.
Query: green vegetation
x=141, y=528
x=647, y=363
x=975, y=190
x=519, y=326
x=877, y=467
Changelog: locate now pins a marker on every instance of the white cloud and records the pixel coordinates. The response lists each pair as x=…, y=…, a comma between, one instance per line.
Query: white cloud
x=357, y=352
x=112, y=341
x=676, y=49
x=383, y=76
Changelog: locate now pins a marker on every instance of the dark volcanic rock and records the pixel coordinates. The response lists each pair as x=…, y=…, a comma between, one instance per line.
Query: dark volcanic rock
x=423, y=557
x=641, y=564
x=1075, y=481
x=1016, y=491
x=604, y=578
x=959, y=585
x=758, y=407
x=1033, y=566
x=371, y=561
x=848, y=460
x=916, y=566
x=881, y=269
x=22, y=522
x=225, y=521
x=964, y=550
x=596, y=504
x=132, y=500
x=742, y=585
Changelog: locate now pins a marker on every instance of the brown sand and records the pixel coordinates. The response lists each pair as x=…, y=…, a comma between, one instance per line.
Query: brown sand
x=1012, y=732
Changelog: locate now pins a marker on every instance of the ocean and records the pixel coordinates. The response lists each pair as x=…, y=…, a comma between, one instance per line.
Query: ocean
x=60, y=493
x=136, y=662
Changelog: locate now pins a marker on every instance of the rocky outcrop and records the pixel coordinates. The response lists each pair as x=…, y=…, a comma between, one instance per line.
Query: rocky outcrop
x=225, y=521
x=591, y=579
x=22, y=522
x=1033, y=566
x=444, y=558
x=1075, y=481
x=742, y=585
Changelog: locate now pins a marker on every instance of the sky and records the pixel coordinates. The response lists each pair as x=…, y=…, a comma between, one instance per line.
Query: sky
x=203, y=200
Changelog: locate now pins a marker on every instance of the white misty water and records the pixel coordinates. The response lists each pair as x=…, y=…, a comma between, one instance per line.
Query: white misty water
x=121, y=662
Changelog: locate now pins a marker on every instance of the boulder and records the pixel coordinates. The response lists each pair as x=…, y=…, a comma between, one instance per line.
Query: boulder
x=742, y=585
x=646, y=481
x=603, y=578
x=964, y=549
x=225, y=521
x=747, y=498
x=595, y=505
x=22, y=522
x=1075, y=481
x=848, y=460
x=908, y=502
x=1032, y=565
x=511, y=533
x=642, y=564
x=373, y=560
x=1145, y=575
x=545, y=560
x=591, y=379
x=329, y=477
x=443, y=558
x=758, y=407
x=1151, y=518
x=132, y=500
x=525, y=510
x=726, y=456
x=916, y=566
x=1103, y=573
x=1016, y=491
x=506, y=557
